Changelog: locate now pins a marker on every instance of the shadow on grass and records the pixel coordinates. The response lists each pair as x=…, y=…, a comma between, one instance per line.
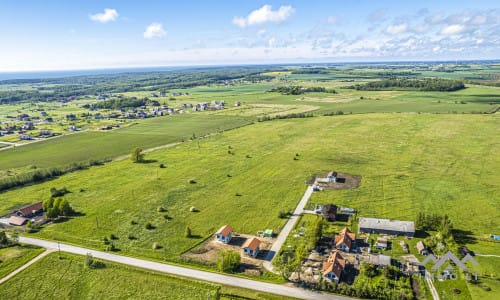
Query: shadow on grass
x=463, y=237
x=149, y=161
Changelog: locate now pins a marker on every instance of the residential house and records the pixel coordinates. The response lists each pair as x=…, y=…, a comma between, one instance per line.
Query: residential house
x=422, y=249
x=224, y=234
x=345, y=240
x=329, y=212
x=333, y=267
x=17, y=221
x=251, y=246
x=25, y=137
x=381, y=243
x=30, y=210
x=386, y=226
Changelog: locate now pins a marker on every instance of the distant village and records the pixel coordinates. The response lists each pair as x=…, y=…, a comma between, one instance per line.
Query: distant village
x=44, y=124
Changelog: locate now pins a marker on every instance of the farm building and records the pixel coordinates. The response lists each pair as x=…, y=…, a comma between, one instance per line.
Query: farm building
x=386, y=226
x=224, y=234
x=251, y=247
x=422, y=249
x=268, y=233
x=329, y=212
x=30, y=210
x=333, y=267
x=345, y=240
x=17, y=221
x=381, y=243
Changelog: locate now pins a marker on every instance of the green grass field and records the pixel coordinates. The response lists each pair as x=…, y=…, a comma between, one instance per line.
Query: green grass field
x=408, y=163
x=13, y=257
x=99, y=145
x=66, y=277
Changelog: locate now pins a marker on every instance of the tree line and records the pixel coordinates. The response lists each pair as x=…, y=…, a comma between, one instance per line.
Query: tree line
x=425, y=84
x=299, y=90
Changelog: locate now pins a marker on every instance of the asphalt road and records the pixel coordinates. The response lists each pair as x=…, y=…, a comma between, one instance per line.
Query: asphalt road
x=182, y=271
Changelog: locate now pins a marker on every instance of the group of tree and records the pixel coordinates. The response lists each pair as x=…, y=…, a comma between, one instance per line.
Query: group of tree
x=121, y=103
x=299, y=90
x=287, y=116
x=57, y=207
x=422, y=84
x=228, y=261
x=377, y=283
x=4, y=240
x=435, y=222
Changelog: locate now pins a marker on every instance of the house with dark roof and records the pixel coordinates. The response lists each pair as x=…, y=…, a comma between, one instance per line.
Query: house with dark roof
x=251, y=247
x=345, y=240
x=224, y=234
x=329, y=212
x=333, y=267
x=30, y=210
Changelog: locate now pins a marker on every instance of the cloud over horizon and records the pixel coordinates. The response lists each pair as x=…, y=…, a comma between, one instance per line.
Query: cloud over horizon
x=154, y=30
x=265, y=14
x=108, y=15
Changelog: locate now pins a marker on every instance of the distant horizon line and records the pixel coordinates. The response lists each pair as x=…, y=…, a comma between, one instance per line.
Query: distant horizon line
x=125, y=69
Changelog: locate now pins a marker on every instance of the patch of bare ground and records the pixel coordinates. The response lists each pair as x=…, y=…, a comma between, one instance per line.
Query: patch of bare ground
x=208, y=253
x=344, y=181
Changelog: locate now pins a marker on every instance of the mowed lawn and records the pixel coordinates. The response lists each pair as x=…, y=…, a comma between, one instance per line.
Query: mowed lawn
x=100, y=145
x=408, y=163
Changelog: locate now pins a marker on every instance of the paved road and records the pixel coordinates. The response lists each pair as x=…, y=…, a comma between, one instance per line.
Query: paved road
x=288, y=227
x=434, y=293
x=14, y=273
x=487, y=255
x=196, y=274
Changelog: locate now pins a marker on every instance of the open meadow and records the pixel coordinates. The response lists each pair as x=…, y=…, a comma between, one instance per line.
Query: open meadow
x=408, y=163
x=13, y=257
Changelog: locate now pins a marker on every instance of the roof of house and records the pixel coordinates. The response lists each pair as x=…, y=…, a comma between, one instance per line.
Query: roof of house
x=268, y=232
x=386, y=224
x=382, y=240
x=335, y=264
x=420, y=246
x=252, y=244
x=28, y=210
x=345, y=236
x=18, y=221
x=225, y=230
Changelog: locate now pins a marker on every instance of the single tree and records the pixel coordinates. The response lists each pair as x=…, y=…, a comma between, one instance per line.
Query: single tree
x=137, y=156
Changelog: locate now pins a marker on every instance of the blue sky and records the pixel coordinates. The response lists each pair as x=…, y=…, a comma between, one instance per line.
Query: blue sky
x=58, y=35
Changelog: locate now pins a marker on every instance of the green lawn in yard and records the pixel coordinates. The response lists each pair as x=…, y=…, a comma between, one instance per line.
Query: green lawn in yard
x=408, y=163
x=14, y=257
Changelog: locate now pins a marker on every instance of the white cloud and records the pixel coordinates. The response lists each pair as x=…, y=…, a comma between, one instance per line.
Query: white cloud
x=453, y=29
x=108, y=15
x=263, y=15
x=396, y=29
x=271, y=42
x=154, y=30
x=261, y=32
x=332, y=19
